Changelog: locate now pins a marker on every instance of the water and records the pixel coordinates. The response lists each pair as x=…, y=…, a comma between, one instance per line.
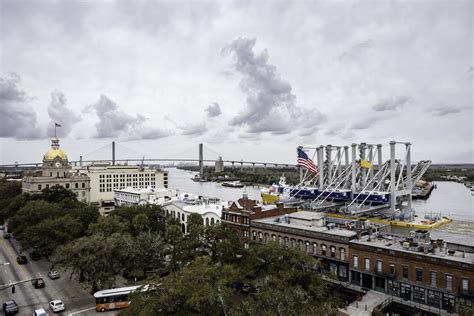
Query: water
x=449, y=198
x=181, y=179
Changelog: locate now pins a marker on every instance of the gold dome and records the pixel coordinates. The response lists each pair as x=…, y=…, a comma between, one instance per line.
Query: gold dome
x=55, y=151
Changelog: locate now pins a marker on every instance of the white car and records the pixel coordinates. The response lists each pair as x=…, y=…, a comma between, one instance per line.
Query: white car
x=57, y=305
x=53, y=275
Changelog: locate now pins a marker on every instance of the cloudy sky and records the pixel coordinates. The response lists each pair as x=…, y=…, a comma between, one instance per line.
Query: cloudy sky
x=250, y=79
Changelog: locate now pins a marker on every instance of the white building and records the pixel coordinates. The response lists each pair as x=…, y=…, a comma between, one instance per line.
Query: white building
x=105, y=178
x=209, y=209
x=138, y=196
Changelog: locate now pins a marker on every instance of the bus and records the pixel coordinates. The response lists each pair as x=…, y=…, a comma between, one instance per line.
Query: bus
x=114, y=298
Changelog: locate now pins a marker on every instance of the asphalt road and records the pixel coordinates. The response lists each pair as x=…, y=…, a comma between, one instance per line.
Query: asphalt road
x=75, y=298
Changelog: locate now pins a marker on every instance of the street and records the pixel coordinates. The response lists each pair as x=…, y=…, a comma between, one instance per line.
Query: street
x=76, y=300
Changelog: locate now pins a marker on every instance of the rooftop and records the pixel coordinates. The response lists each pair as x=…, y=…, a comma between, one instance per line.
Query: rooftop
x=454, y=252
x=279, y=221
x=214, y=206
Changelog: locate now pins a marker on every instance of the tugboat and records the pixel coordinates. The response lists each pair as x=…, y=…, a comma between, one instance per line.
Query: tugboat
x=275, y=192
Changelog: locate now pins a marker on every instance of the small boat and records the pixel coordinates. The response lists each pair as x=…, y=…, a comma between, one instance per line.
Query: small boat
x=232, y=184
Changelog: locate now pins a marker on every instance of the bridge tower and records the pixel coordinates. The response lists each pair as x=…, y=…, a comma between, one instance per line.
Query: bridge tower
x=201, y=162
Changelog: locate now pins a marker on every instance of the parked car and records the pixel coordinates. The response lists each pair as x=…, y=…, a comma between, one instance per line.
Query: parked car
x=57, y=305
x=10, y=307
x=38, y=283
x=21, y=259
x=6, y=235
x=2, y=227
x=53, y=275
x=40, y=312
x=35, y=255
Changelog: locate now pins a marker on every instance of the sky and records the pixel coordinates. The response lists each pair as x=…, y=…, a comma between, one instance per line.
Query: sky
x=251, y=80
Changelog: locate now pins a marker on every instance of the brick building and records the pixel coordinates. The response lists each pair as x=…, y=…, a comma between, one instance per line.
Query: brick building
x=239, y=215
x=308, y=232
x=418, y=269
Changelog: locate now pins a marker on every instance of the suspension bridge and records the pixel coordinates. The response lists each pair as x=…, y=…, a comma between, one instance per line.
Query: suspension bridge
x=115, y=153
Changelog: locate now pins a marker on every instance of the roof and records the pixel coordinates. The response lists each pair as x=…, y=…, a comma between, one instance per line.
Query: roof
x=395, y=243
x=53, y=153
x=306, y=215
x=201, y=208
x=299, y=226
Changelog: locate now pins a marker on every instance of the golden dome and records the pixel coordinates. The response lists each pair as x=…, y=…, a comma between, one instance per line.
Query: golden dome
x=55, y=151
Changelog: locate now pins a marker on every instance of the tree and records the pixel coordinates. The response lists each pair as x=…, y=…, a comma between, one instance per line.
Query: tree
x=97, y=258
x=141, y=222
x=9, y=192
x=55, y=194
x=109, y=225
x=195, y=224
x=31, y=214
x=51, y=233
x=154, y=213
x=146, y=251
x=197, y=289
x=173, y=231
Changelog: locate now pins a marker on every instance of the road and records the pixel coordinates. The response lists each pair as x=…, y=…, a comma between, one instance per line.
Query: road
x=75, y=298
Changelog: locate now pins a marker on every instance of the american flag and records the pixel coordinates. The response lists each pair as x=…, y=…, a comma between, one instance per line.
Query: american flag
x=304, y=161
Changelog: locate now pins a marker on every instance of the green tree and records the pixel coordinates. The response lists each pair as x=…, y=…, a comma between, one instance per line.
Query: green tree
x=197, y=289
x=51, y=233
x=32, y=213
x=173, y=231
x=55, y=194
x=109, y=225
x=146, y=251
x=97, y=258
x=9, y=191
x=141, y=222
x=154, y=213
x=195, y=224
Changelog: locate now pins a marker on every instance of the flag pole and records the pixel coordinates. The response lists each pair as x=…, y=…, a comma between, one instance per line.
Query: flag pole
x=55, y=130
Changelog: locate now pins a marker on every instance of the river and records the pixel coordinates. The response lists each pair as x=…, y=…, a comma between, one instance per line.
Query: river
x=449, y=198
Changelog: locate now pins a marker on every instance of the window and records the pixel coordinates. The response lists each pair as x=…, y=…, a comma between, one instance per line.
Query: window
x=367, y=264
x=419, y=294
x=67, y=185
x=433, y=277
x=183, y=217
x=39, y=186
x=464, y=284
x=419, y=275
x=260, y=236
x=76, y=185
x=342, y=252
x=246, y=245
x=83, y=193
x=355, y=262
x=449, y=282
x=378, y=266
x=392, y=269
x=323, y=249
x=207, y=221
x=246, y=233
x=405, y=272
x=315, y=248
x=254, y=235
x=308, y=248
x=333, y=251
x=342, y=271
x=47, y=186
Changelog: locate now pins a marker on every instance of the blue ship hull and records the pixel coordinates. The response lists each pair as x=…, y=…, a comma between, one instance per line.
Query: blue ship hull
x=374, y=198
x=304, y=193
x=337, y=195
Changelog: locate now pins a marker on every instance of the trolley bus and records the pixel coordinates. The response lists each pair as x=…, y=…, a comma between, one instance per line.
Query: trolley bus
x=114, y=298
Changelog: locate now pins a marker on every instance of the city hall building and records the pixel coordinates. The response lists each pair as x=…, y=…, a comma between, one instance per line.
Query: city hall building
x=56, y=171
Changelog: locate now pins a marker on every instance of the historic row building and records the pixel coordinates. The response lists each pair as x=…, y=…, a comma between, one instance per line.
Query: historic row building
x=240, y=214
x=433, y=272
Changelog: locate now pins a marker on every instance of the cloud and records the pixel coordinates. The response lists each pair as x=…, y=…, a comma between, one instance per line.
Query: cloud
x=447, y=110
x=115, y=123
x=392, y=104
x=59, y=113
x=194, y=130
x=356, y=49
x=270, y=102
x=18, y=117
x=213, y=110
x=363, y=124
